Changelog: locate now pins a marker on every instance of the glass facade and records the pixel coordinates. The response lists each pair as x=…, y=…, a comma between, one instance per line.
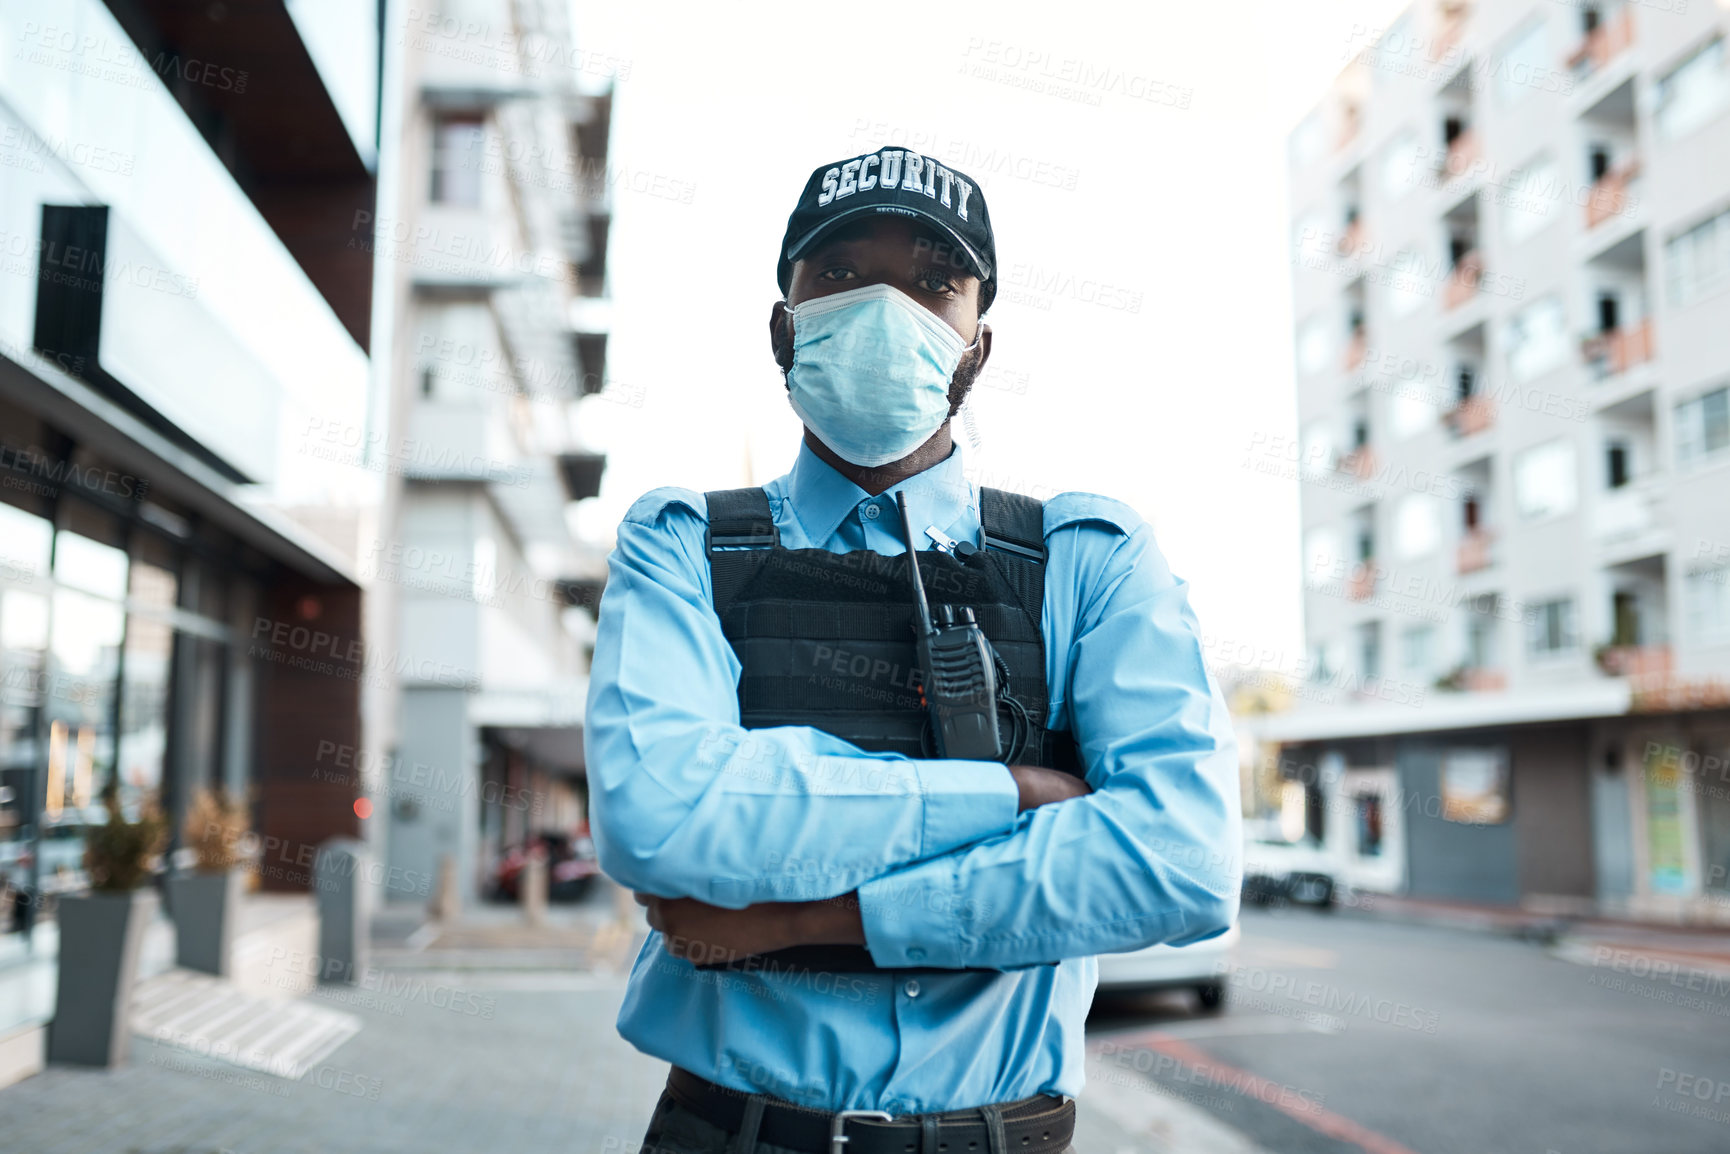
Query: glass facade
x=117, y=654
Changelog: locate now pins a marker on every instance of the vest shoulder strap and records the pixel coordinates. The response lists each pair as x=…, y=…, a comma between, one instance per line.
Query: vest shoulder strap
x=740, y=518
x=1012, y=523
x=741, y=532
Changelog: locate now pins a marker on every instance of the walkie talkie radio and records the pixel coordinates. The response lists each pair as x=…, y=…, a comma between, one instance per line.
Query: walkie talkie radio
x=958, y=671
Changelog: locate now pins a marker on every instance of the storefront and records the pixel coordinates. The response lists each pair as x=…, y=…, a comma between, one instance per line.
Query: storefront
x=126, y=615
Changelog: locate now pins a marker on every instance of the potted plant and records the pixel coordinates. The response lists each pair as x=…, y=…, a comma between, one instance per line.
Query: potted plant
x=205, y=901
x=100, y=936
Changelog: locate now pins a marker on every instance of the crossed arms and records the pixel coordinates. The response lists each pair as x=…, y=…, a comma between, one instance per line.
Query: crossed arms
x=742, y=841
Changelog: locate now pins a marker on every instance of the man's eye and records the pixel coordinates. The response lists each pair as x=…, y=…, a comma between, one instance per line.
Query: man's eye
x=935, y=281
x=836, y=273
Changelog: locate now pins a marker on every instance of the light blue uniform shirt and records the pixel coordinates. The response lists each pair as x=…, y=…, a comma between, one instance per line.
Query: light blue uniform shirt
x=686, y=803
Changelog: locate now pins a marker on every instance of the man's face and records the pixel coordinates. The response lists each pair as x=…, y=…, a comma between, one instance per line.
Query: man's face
x=902, y=253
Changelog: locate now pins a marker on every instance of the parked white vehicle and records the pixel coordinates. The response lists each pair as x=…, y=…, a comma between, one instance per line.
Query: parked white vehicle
x=1199, y=966
x=1277, y=871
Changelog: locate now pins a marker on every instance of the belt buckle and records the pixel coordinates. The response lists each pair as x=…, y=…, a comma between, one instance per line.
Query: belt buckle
x=838, y=1125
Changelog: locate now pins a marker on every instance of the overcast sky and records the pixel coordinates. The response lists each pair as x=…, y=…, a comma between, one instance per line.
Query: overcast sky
x=1133, y=157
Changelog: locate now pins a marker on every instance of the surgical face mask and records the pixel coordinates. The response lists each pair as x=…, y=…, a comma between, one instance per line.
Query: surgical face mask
x=871, y=372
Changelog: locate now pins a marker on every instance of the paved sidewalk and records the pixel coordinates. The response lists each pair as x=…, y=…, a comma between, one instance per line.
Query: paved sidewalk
x=471, y=1043
x=457, y=1063
x=1690, y=953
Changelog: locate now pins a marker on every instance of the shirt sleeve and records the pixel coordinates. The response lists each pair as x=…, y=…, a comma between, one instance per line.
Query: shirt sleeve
x=684, y=802
x=1153, y=855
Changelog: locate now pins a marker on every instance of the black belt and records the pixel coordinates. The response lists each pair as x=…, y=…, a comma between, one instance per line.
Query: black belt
x=1038, y=1125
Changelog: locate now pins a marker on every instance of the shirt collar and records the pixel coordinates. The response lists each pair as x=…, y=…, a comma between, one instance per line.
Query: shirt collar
x=822, y=498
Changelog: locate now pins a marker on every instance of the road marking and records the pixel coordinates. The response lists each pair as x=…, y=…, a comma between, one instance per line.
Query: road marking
x=1268, y=1092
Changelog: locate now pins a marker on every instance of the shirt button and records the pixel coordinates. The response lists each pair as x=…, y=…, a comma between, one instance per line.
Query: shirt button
x=916, y=954
x=871, y=512
x=911, y=989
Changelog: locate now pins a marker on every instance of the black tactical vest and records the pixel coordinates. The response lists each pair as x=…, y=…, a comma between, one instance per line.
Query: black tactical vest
x=826, y=640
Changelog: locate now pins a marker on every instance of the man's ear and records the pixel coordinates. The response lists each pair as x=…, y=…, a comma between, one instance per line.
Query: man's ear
x=780, y=335
x=984, y=339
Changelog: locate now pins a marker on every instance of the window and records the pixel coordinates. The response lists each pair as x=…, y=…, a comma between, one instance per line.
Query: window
x=1537, y=338
x=1417, y=649
x=1370, y=650
x=1699, y=260
x=1474, y=786
x=1598, y=162
x=1706, y=595
x=1544, y=480
x=1369, y=824
x=1529, y=200
x=1525, y=59
x=456, y=164
x=1702, y=426
x=1616, y=464
x=1693, y=93
x=1400, y=165
x=1325, y=660
x=1481, y=649
x=1417, y=526
x=1550, y=627
x=1365, y=533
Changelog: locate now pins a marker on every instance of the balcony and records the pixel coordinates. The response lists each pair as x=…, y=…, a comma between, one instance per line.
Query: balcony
x=1450, y=26
x=1483, y=680
x=1618, y=350
x=1609, y=196
x=1644, y=662
x=1474, y=551
x=1472, y=415
x=1462, y=154
x=1359, y=462
x=1463, y=281
x=1630, y=515
x=1604, y=43
x=1474, y=679
x=1361, y=585
x=1357, y=348
x=1351, y=121
x=1351, y=241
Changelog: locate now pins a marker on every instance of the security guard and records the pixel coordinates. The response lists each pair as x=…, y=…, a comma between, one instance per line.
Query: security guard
x=861, y=937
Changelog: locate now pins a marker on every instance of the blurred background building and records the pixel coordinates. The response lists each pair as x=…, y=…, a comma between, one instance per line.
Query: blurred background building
x=182, y=319
x=1511, y=229
x=493, y=245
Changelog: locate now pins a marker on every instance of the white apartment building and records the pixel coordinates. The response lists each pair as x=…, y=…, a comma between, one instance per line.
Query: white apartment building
x=1511, y=279
x=492, y=243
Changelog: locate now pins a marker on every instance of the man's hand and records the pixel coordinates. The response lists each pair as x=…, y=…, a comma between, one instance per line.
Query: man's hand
x=702, y=933
x=1040, y=786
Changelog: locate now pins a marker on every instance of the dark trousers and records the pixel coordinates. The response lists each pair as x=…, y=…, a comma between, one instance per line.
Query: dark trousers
x=673, y=1129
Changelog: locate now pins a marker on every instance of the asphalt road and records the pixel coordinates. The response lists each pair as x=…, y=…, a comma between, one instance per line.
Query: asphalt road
x=1347, y=1033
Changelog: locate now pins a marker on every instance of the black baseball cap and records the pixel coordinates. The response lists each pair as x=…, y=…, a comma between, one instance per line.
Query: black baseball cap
x=894, y=180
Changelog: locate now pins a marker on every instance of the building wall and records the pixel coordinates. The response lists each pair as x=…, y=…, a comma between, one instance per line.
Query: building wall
x=1638, y=565
x=434, y=795
x=1450, y=859
x=483, y=384
x=1552, y=811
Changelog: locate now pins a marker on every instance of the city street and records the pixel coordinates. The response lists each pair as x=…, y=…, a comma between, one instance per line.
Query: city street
x=1341, y=1033
x=1389, y=1037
